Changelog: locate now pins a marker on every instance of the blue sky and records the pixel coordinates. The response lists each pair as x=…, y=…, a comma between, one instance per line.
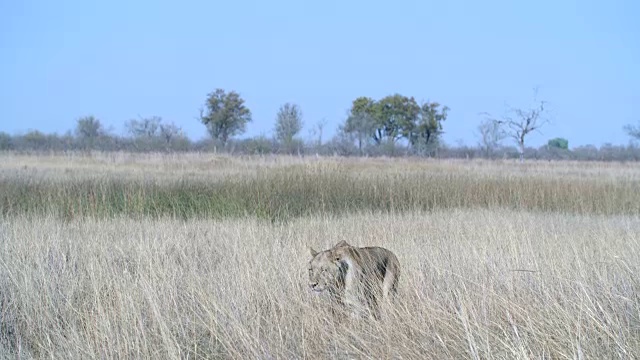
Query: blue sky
x=119, y=60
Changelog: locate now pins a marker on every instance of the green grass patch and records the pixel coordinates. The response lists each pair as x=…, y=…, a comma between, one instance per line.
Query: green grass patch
x=293, y=191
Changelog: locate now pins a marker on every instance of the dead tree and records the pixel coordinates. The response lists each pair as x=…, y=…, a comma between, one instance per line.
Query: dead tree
x=519, y=123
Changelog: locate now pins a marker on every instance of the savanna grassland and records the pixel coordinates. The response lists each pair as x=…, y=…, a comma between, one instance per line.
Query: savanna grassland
x=204, y=256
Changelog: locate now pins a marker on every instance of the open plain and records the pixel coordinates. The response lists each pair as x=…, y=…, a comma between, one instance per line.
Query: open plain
x=117, y=255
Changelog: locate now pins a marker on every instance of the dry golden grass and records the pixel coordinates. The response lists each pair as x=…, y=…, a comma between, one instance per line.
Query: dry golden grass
x=179, y=256
x=475, y=284
x=212, y=167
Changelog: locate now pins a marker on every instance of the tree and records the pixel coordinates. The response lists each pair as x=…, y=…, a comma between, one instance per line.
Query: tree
x=490, y=135
x=633, y=131
x=317, y=130
x=225, y=115
x=396, y=117
x=519, y=123
x=288, y=123
x=170, y=132
x=35, y=140
x=151, y=133
x=89, y=128
x=428, y=125
x=144, y=128
x=361, y=121
x=5, y=141
x=558, y=143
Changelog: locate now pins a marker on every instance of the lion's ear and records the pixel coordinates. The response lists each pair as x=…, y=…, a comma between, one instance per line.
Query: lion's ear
x=341, y=244
x=313, y=252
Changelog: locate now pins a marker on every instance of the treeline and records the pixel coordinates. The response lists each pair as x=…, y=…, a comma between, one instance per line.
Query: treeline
x=341, y=145
x=395, y=125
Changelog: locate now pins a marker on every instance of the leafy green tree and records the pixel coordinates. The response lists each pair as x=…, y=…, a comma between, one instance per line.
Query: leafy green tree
x=361, y=121
x=288, y=123
x=397, y=117
x=225, y=115
x=428, y=125
x=558, y=143
x=394, y=117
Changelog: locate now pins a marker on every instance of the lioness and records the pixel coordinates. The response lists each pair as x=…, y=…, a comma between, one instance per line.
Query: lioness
x=356, y=278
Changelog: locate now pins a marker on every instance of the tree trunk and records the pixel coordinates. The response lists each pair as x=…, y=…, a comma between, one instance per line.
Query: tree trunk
x=522, y=151
x=224, y=137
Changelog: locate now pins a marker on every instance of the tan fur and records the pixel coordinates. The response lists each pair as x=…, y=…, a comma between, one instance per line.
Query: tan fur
x=357, y=279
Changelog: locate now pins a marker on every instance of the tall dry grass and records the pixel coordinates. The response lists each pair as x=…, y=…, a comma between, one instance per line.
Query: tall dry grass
x=178, y=256
x=281, y=188
x=475, y=284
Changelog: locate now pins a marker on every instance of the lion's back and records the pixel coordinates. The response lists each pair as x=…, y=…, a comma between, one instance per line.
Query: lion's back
x=378, y=260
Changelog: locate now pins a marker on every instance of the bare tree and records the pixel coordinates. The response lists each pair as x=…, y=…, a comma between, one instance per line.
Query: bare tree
x=316, y=130
x=490, y=134
x=320, y=127
x=518, y=123
x=145, y=127
x=170, y=132
x=633, y=131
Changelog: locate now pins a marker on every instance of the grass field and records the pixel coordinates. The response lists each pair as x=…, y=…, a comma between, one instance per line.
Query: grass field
x=202, y=256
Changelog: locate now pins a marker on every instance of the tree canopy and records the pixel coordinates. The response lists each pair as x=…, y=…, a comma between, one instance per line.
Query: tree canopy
x=89, y=127
x=288, y=123
x=395, y=117
x=558, y=143
x=225, y=115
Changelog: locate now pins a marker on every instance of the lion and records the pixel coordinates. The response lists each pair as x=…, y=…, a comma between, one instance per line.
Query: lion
x=356, y=278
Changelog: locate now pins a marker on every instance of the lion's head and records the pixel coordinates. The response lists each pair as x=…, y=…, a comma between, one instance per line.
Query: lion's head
x=326, y=268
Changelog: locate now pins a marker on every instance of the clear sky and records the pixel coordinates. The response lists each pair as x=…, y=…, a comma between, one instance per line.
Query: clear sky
x=119, y=60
